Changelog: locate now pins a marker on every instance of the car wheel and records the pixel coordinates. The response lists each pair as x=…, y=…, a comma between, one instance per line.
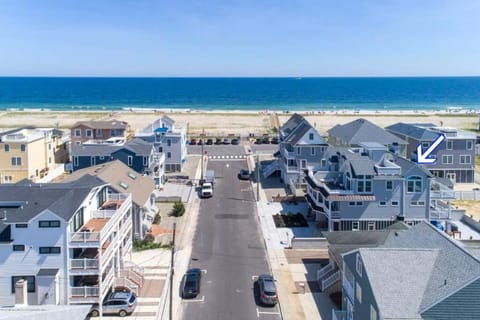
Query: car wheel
x=95, y=313
x=122, y=313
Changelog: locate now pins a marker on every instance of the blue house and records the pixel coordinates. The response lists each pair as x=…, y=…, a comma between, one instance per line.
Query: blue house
x=137, y=154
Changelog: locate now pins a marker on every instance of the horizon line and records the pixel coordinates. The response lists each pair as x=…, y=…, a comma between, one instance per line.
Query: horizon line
x=240, y=77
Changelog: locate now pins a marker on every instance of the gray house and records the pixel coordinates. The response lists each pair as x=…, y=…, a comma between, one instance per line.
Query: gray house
x=168, y=139
x=301, y=148
x=417, y=273
x=356, y=132
x=455, y=156
x=369, y=188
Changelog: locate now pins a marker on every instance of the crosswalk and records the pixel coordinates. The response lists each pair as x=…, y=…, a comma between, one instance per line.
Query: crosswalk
x=241, y=156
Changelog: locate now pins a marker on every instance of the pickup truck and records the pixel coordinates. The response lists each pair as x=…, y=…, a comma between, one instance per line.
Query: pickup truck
x=207, y=190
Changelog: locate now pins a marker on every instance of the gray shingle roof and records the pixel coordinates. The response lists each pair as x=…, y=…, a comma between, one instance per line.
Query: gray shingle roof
x=397, y=283
x=137, y=146
x=291, y=124
x=63, y=199
x=362, y=130
x=419, y=131
x=101, y=124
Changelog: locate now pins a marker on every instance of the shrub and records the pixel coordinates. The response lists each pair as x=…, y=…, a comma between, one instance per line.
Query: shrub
x=157, y=218
x=145, y=244
x=178, y=209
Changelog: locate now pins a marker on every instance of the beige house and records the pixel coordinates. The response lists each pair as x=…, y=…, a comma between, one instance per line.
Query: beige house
x=27, y=153
x=99, y=130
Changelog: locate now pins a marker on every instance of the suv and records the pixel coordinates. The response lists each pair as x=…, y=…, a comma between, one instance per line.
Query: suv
x=121, y=303
x=268, y=291
x=191, y=283
x=218, y=141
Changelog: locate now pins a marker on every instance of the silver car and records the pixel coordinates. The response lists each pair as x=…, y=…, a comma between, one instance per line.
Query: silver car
x=268, y=291
x=120, y=303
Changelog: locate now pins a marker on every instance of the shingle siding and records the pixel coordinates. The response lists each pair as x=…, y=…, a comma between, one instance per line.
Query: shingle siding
x=463, y=304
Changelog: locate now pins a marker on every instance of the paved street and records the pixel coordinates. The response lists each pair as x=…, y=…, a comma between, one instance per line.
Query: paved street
x=229, y=248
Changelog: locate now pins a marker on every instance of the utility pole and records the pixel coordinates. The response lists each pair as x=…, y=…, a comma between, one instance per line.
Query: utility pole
x=258, y=177
x=171, y=273
x=203, y=142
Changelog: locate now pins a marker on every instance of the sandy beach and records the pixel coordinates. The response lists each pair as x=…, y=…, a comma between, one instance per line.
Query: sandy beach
x=238, y=122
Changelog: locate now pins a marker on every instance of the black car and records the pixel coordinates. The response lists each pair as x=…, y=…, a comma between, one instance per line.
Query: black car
x=218, y=141
x=209, y=142
x=244, y=174
x=191, y=283
x=268, y=291
x=266, y=140
x=258, y=141
x=200, y=142
x=235, y=141
x=274, y=140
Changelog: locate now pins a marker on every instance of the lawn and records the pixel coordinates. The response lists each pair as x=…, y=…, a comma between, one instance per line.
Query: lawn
x=290, y=220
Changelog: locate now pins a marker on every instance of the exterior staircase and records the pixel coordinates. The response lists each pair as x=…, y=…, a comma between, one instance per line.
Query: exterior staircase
x=269, y=169
x=328, y=276
x=131, y=276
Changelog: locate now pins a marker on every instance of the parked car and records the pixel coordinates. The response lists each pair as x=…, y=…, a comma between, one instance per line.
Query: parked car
x=120, y=303
x=244, y=174
x=274, y=140
x=200, y=142
x=209, y=142
x=191, y=283
x=266, y=140
x=193, y=142
x=218, y=141
x=268, y=291
x=226, y=141
x=258, y=141
x=235, y=141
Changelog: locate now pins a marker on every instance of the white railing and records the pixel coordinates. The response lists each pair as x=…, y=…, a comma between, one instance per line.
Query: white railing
x=126, y=204
x=323, y=271
x=442, y=194
x=118, y=196
x=125, y=282
x=339, y=315
x=84, y=292
x=84, y=263
x=84, y=236
x=108, y=280
x=330, y=280
x=103, y=214
x=138, y=269
x=132, y=275
x=348, y=287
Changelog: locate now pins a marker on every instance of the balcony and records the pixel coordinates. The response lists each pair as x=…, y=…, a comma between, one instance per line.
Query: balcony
x=91, y=293
x=442, y=194
x=84, y=266
x=103, y=221
x=288, y=154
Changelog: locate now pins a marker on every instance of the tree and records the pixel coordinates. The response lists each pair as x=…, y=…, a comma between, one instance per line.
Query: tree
x=178, y=209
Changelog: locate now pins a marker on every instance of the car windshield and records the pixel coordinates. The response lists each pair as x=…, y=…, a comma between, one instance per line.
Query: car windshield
x=243, y=171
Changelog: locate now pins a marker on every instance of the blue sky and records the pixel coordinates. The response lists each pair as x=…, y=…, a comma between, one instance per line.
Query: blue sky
x=239, y=38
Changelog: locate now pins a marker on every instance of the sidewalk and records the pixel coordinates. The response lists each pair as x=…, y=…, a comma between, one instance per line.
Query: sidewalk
x=296, y=303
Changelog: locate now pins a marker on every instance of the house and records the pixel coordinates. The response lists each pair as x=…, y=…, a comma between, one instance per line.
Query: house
x=29, y=153
x=136, y=154
x=417, y=273
x=98, y=130
x=455, y=156
x=369, y=188
x=354, y=133
x=169, y=139
x=301, y=148
x=68, y=242
x=122, y=178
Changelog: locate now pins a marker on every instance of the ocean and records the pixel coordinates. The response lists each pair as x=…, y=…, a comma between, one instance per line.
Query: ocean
x=282, y=94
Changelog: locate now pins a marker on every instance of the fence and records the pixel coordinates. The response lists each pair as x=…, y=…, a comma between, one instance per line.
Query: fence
x=467, y=195
x=309, y=243
x=168, y=199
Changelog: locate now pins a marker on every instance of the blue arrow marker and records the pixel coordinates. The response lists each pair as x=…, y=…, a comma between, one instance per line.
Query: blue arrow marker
x=423, y=157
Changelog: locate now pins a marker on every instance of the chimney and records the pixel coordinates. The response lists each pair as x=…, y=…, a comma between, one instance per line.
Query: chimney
x=21, y=295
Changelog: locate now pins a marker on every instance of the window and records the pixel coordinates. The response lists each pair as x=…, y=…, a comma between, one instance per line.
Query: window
x=30, y=282
x=78, y=133
x=389, y=185
x=16, y=161
x=160, y=149
x=414, y=184
x=382, y=203
x=358, y=265
x=465, y=159
x=145, y=161
x=358, y=292
x=450, y=145
x=359, y=203
x=355, y=226
x=123, y=185
x=417, y=203
x=49, y=250
x=469, y=145
x=371, y=226
x=447, y=159
x=18, y=247
x=169, y=155
x=6, y=147
x=425, y=145
x=130, y=161
x=364, y=184
x=22, y=148
x=169, y=142
x=323, y=163
x=310, y=136
x=101, y=158
x=75, y=161
x=92, y=161
x=98, y=132
x=88, y=133
x=298, y=150
x=313, y=151
x=21, y=225
x=49, y=224
x=373, y=313
x=394, y=203
x=351, y=204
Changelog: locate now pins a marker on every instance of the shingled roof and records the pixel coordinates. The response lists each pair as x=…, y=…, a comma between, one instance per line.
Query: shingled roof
x=102, y=124
x=419, y=131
